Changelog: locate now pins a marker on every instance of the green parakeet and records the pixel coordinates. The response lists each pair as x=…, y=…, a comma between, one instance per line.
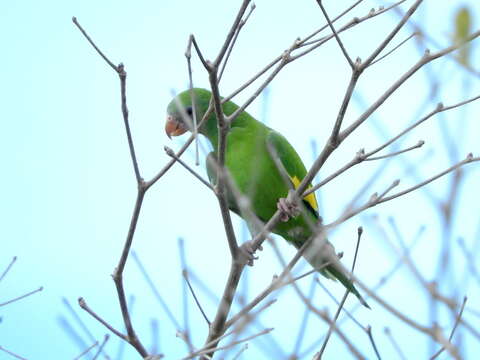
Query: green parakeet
x=264, y=167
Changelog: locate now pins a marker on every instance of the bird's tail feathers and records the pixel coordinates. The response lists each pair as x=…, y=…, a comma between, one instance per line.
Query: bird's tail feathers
x=320, y=252
x=340, y=276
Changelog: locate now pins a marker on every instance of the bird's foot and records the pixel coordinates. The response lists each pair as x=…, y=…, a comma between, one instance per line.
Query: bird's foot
x=247, y=252
x=288, y=207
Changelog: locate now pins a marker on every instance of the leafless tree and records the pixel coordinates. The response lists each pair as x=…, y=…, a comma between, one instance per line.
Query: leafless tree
x=226, y=333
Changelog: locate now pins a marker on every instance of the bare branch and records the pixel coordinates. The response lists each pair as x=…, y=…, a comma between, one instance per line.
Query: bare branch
x=120, y=70
x=22, y=296
x=413, y=147
x=169, y=164
x=457, y=321
x=87, y=350
x=172, y=154
x=470, y=259
x=467, y=160
x=84, y=306
x=423, y=61
x=375, y=200
x=211, y=350
x=341, y=335
x=342, y=302
x=9, y=266
x=188, y=55
x=185, y=276
x=342, y=47
x=188, y=52
x=11, y=353
x=102, y=345
x=398, y=348
x=282, y=280
x=361, y=156
x=395, y=48
x=118, y=275
x=231, y=33
x=372, y=341
x=234, y=40
x=392, y=34
x=107, y=60
x=155, y=291
x=434, y=332
x=123, y=89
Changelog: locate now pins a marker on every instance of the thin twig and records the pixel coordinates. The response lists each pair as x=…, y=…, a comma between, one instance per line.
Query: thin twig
x=341, y=335
x=394, y=343
x=120, y=70
x=123, y=94
x=348, y=313
x=427, y=58
x=392, y=34
x=361, y=156
x=107, y=60
x=433, y=331
x=303, y=325
x=9, y=266
x=470, y=259
x=372, y=341
x=22, y=296
x=155, y=291
x=219, y=325
x=186, y=321
x=102, y=345
x=84, y=306
x=277, y=283
x=118, y=275
x=467, y=160
x=231, y=33
x=215, y=349
x=77, y=318
x=240, y=352
x=87, y=350
x=342, y=47
x=11, y=353
x=172, y=154
x=342, y=302
x=142, y=187
x=416, y=146
x=438, y=109
x=457, y=321
x=193, y=41
x=234, y=40
x=188, y=55
x=376, y=200
x=185, y=276
x=395, y=48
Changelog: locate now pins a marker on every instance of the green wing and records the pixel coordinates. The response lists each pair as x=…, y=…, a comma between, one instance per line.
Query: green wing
x=296, y=171
x=292, y=164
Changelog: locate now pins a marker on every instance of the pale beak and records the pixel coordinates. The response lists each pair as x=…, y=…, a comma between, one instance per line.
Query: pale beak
x=173, y=127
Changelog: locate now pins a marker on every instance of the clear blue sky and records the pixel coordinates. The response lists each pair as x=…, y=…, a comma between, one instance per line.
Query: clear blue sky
x=68, y=188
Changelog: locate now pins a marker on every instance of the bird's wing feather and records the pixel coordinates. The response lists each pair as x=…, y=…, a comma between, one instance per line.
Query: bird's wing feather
x=292, y=165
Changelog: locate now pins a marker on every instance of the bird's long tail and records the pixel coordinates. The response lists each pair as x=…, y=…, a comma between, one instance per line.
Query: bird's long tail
x=340, y=276
x=319, y=253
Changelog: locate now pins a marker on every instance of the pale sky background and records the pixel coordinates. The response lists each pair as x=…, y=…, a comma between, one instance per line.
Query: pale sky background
x=68, y=186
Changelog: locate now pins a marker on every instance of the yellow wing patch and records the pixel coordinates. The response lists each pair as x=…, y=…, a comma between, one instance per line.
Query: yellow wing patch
x=310, y=198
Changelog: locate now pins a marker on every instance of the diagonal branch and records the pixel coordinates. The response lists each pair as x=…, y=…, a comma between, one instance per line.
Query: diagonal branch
x=120, y=70
x=342, y=47
x=231, y=33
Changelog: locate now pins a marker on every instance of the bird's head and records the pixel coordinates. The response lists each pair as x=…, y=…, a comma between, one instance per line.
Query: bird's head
x=181, y=108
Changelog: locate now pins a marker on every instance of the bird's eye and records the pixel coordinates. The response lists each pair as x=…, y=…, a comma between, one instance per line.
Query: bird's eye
x=189, y=111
